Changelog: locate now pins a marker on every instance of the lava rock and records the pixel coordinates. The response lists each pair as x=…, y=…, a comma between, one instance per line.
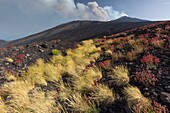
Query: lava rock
x=147, y=94
x=41, y=50
x=2, y=70
x=44, y=45
x=160, y=89
x=146, y=89
x=167, y=88
x=165, y=97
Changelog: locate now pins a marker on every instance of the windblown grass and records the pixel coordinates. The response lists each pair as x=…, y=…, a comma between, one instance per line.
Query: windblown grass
x=3, y=108
x=67, y=84
x=103, y=95
x=133, y=96
x=17, y=95
x=120, y=75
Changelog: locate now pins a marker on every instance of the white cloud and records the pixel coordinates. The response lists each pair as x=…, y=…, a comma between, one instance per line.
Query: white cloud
x=91, y=11
x=114, y=14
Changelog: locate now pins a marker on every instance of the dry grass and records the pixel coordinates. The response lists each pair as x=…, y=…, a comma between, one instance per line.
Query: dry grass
x=52, y=73
x=43, y=103
x=131, y=56
x=120, y=75
x=93, y=72
x=69, y=66
x=3, y=108
x=77, y=104
x=82, y=84
x=35, y=73
x=17, y=95
x=117, y=55
x=10, y=77
x=56, y=60
x=85, y=80
x=64, y=92
x=103, y=95
x=76, y=91
x=133, y=96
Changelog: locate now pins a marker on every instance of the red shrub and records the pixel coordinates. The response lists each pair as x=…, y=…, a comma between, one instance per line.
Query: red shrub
x=153, y=108
x=145, y=77
x=105, y=64
x=150, y=60
x=157, y=42
x=20, y=56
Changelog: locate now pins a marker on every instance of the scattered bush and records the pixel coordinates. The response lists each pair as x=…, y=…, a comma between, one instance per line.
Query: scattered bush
x=72, y=83
x=153, y=108
x=145, y=77
x=131, y=56
x=150, y=60
x=105, y=64
x=156, y=42
x=117, y=55
x=56, y=52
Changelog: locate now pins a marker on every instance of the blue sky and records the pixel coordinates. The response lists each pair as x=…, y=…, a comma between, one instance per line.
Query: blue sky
x=20, y=18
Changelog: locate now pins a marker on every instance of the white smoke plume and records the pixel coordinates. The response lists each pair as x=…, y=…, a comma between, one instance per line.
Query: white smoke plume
x=91, y=11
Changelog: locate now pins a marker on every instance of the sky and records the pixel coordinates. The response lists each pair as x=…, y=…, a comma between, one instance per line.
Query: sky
x=21, y=18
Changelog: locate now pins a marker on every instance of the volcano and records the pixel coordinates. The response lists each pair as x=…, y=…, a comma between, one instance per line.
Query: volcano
x=77, y=31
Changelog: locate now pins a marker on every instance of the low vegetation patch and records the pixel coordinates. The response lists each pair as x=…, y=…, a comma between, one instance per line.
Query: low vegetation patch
x=96, y=76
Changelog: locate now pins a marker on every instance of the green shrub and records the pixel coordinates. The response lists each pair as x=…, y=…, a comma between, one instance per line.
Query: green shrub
x=56, y=52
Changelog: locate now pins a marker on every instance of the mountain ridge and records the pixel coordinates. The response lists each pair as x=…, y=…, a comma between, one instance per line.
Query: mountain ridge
x=81, y=30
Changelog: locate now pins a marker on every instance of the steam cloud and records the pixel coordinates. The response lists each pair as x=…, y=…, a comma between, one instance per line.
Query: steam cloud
x=91, y=11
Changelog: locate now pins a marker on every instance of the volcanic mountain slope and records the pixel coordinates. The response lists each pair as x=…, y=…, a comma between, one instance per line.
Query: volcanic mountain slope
x=97, y=75
x=81, y=30
x=2, y=41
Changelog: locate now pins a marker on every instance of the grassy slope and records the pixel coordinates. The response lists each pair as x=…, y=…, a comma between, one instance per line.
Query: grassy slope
x=74, y=83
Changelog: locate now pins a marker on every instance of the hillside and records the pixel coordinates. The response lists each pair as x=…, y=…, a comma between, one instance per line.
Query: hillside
x=2, y=41
x=81, y=30
x=126, y=72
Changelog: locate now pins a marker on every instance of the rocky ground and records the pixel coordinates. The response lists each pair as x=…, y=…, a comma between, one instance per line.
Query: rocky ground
x=16, y=59
x=152, y=79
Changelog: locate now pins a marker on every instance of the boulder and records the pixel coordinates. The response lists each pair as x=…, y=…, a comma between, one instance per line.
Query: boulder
x=165, y=97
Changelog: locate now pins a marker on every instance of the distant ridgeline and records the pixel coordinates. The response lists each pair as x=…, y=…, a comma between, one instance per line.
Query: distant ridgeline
x=79, y=30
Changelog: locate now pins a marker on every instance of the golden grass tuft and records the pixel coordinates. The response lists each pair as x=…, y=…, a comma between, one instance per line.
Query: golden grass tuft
x=17, y=94
x=69, y=66
x=3, y=108
x=103, y=94
x=52, y=73
x=58, y=60
x=40, y=102
x=10, y=77
x=35, y=73
x=133, y=96
x=93, y=72
x=83, y=83
x=77, y=89
x=120, y=75
x=117, y=55
x=86, y=79
x=77, y=104
x=64, y=92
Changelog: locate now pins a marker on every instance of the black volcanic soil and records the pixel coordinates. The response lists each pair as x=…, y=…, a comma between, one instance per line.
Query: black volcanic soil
x=160, y=91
